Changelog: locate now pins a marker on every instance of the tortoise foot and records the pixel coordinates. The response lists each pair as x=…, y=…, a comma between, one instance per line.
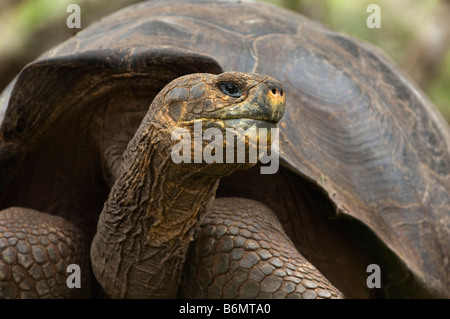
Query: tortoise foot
x=243, y=252
x=36, y=250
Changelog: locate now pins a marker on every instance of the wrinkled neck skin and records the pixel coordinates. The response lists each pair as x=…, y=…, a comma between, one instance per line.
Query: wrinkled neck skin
x=150, y=218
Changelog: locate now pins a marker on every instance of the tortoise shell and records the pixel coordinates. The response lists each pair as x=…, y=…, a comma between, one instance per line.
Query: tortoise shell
x=364, y=172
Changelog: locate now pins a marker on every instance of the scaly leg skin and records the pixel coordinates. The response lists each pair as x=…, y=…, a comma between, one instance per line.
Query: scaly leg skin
x=243, y=252
x=35, y=251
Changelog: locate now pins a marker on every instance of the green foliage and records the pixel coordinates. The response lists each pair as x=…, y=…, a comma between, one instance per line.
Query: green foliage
x=25, y=17
x=439, y=89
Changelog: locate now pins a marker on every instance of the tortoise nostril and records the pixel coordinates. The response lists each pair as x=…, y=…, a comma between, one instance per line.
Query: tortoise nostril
x=275, y=88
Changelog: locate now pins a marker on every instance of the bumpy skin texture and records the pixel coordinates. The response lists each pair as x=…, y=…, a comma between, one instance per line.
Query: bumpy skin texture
x=139, y=250
x=243, y=252
x=35, y=251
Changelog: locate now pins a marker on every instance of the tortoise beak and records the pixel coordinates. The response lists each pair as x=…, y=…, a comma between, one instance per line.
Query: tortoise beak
x=267, y=102
x=276, y=100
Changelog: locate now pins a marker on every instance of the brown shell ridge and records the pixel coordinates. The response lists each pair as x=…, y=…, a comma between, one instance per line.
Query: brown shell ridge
x=35, y=106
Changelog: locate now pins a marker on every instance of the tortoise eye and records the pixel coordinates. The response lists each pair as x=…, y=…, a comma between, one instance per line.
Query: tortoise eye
x=230, y=89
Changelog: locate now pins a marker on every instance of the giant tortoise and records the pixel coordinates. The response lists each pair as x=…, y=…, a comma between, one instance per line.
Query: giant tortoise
x=359, y=206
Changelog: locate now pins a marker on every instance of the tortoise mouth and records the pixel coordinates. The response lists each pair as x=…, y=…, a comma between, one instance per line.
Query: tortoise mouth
x=243, y=123
x=247, y=123
x=256, y=119
x=260, y=115
x=271, y=112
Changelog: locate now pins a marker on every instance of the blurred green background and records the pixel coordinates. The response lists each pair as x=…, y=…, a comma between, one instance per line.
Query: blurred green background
x=415, y=33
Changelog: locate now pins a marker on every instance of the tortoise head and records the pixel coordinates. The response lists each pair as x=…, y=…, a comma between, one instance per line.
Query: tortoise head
x=220, y=119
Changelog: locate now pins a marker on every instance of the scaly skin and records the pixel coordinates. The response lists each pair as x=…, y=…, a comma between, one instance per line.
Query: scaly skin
x=156, y=205
x=242, y=251
x=35, y=251
x=156, y=208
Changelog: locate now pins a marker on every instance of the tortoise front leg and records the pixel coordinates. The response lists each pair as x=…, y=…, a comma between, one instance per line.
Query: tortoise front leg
x=35, y=250
x=242, y=251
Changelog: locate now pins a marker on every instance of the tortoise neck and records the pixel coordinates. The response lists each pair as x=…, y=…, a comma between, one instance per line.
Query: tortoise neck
x=149, y=219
